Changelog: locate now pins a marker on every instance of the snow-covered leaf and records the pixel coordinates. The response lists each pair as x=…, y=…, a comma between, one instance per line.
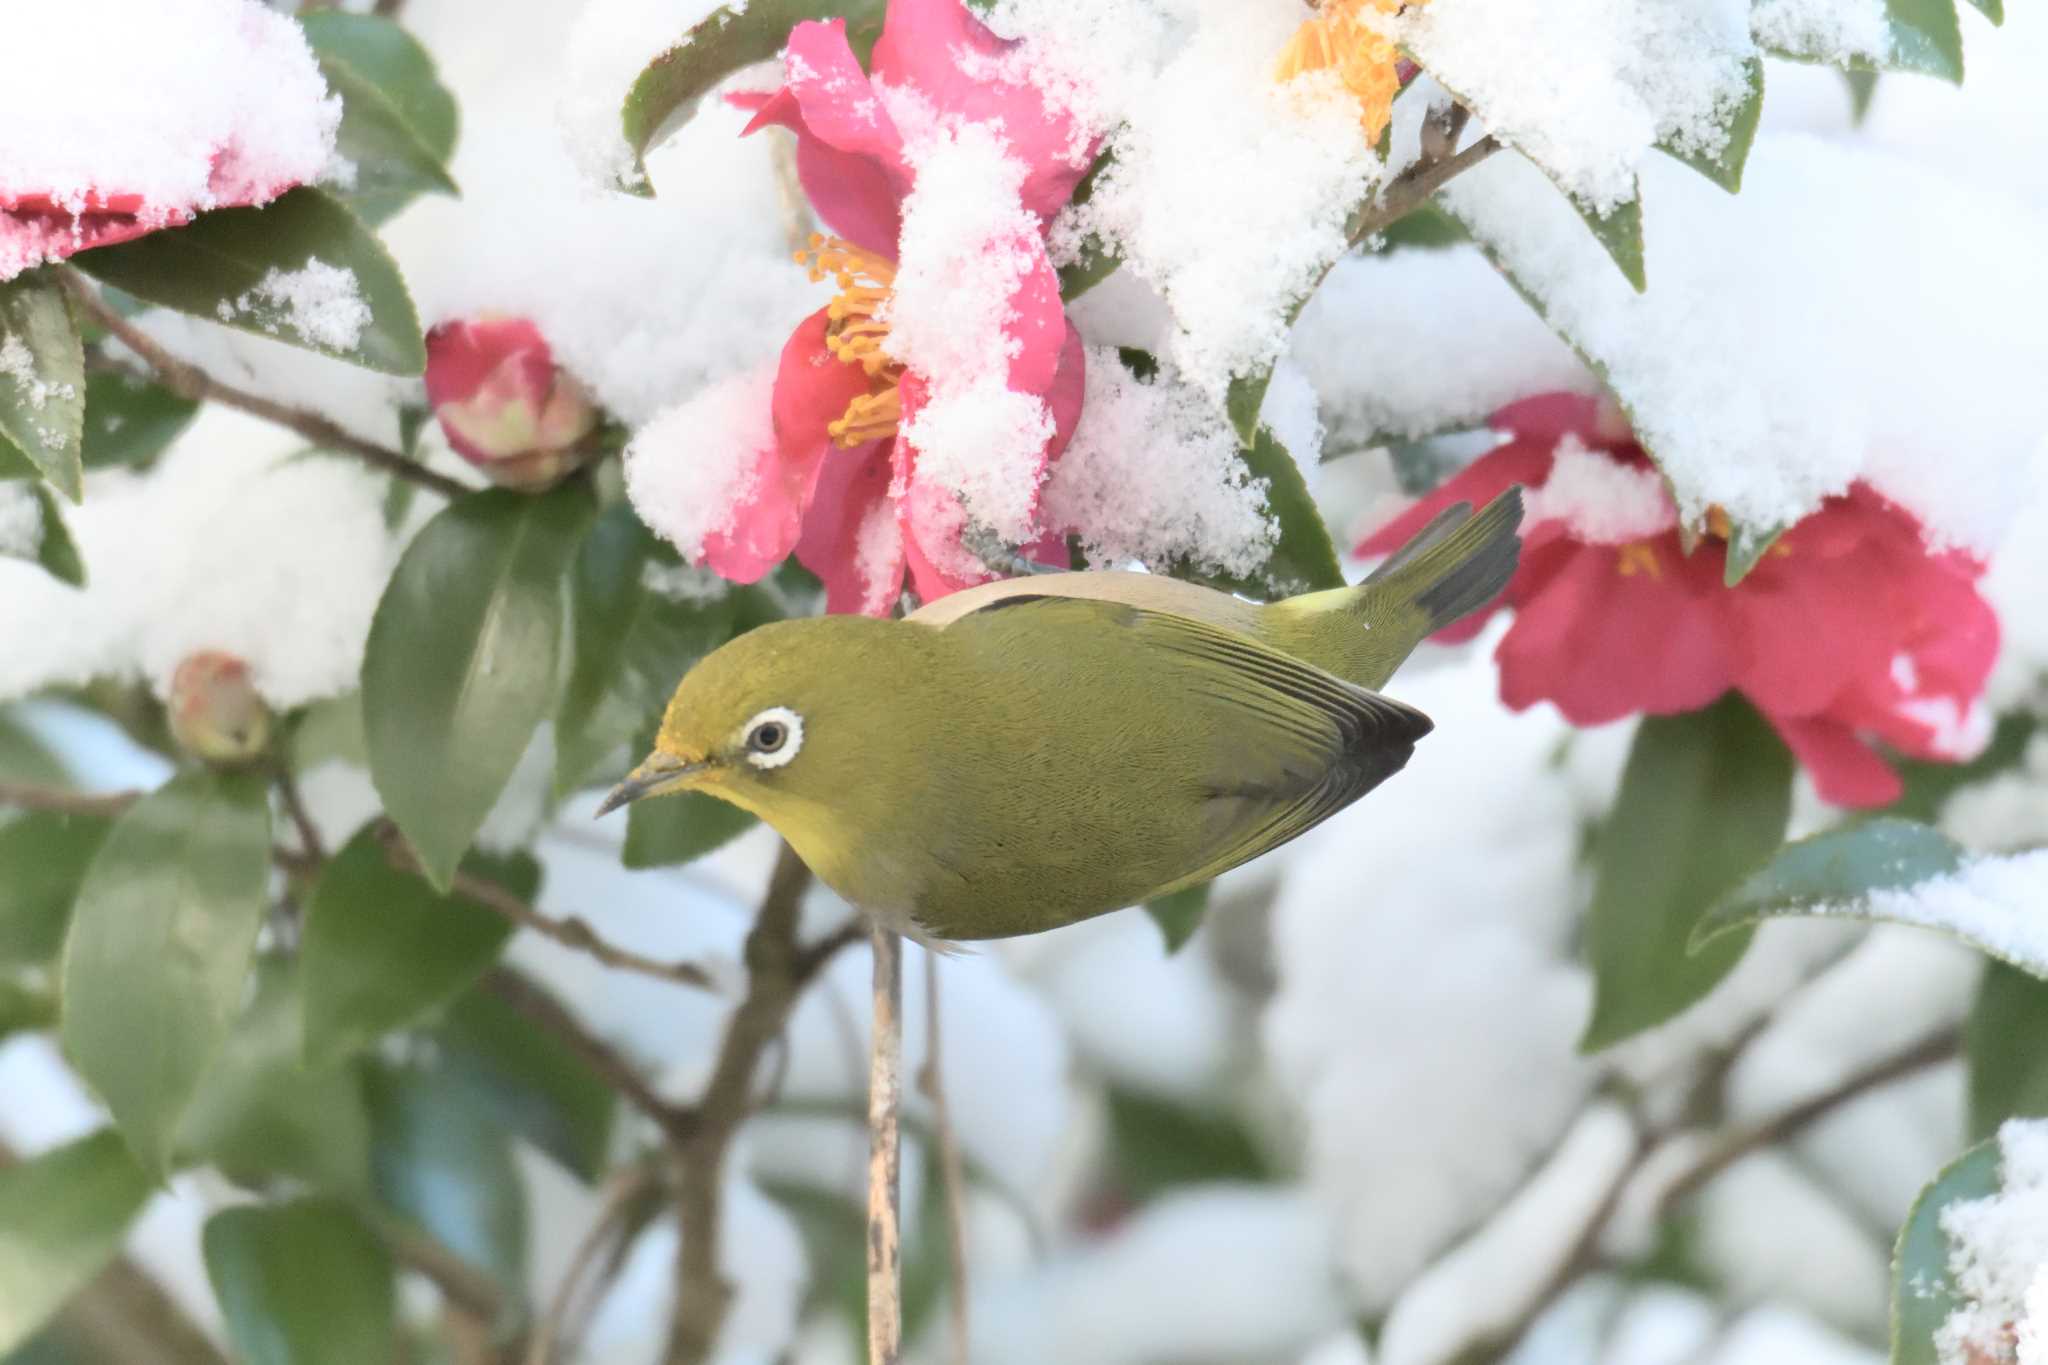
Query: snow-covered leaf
x=392, y=59
x=62, y=1216
x=1620, y=233
x=667, y=93
x=1924, y=1291
x=390, y=161
x=459, y=668
x=46, y=541
x=158, y=953
x=1704, y=798
x=1840, y=866
x=1094, y=260
x=1923, y=36
x=1724, y=167
x=1747, y=545
x=303, y=1283
x=301, y=269
x=1304, y=558
x=1994, y=10
x=42, y=380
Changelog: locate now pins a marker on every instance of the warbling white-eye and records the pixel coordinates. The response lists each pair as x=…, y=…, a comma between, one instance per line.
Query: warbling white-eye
x=1028, y=753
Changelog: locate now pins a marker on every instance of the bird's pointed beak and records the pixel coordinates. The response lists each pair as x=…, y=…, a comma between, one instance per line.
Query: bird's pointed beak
x=659, y=774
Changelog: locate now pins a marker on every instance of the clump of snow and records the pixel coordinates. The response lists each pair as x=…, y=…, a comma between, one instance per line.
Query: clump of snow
x=1290, y=410
x=967, y=245
x=1998, y=1257
x=1764, y=368
x=1994, y=903
x=163, y=109
x=689, y=468
x=229, y=543
x=1602, y=502
x=21, y=520
x=1153, y=474
x=611, y=43
x=318, y=303
x=1419, y=342
x=1428, y=1011
x=1835, y=31
x=1640, y=73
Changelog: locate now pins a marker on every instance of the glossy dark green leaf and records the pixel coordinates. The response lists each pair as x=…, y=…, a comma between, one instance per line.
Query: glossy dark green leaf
x=392, y=166
x=303, y=1283
x=129, y=421
x=636, y=632
x=529, y=1080
x=1834, y=869
x=382, y=948
x=667, y=830
x=42, y=379
x=1179, y=915
x=1159, y=1144
x=159, y=948
x=2005, y=1043
x=62, y=1217
x=1926, y=37
x=461, y=661
x=1427, y=228
x=261, y=1113
x=1703, y=800
x=215, y=267
x=381, y=51
x=666, y=94
x=1924, y=1292
x=1746, y=548
x=1304, y=559
x=1738, y=127
x=444, y=1165
x=1620, y=233
x=43, y=858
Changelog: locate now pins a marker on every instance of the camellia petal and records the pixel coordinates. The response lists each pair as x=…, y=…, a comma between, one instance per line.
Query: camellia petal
x=1844, y=770
x=852, y=192
x=850, y=536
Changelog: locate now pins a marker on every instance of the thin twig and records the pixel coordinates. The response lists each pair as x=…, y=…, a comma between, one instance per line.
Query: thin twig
x=190, y=382
x=301, y=818
x=1413, y=187
x=25, y=796
x=812, y=959
x=678, y=1122
x=623, y=1194
x=461, y=1284
x=885, y=1099
x=772, y=956
x=570, y=932
x=952, y=1171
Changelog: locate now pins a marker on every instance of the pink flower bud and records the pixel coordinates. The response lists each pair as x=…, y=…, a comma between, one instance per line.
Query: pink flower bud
x=503, y=403
x=216, y=714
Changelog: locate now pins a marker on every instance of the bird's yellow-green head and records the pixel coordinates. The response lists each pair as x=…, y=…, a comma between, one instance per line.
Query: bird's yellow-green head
x=778, y=721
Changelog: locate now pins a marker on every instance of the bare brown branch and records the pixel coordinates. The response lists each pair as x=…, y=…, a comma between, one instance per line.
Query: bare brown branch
x=190, y=382
x=25, y=796
x=885, y=1150
x=623, y=1199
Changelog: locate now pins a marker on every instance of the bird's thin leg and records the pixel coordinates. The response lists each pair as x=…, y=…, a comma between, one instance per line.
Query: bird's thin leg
x=885, y=1095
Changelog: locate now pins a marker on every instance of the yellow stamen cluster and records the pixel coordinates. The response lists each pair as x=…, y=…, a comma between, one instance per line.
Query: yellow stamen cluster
x=1639, y=557
x=1339, y=39
x=855, y=332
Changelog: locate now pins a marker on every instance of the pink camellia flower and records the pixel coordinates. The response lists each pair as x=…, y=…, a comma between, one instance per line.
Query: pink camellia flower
x=841, y=484
x=1849, y=633
x=504, y=404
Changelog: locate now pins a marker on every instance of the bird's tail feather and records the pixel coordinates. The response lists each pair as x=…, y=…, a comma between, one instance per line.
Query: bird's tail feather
x=1455, y=565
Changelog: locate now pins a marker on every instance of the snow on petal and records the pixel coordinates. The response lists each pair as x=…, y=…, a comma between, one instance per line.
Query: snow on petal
x=709, y=478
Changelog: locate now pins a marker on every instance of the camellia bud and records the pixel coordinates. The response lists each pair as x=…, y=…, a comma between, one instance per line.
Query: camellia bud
x=504, y=404
x=216, y=714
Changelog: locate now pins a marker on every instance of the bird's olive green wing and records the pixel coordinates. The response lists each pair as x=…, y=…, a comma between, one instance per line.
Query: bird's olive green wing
x=1282, y=744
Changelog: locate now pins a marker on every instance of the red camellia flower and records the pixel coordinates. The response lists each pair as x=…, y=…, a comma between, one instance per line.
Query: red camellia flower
x=1849, y=632
x=504, y=404
x=841, y=486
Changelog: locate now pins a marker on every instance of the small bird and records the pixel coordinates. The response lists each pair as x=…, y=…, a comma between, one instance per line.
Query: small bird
x=1032, y=752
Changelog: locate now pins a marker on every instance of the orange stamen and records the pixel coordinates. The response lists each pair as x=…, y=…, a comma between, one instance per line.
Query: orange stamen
x=1338, y=39
x=1639, y=557
x=855, y=332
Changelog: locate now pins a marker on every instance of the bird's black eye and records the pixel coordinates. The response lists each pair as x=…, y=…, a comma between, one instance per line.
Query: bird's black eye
x=768, y=736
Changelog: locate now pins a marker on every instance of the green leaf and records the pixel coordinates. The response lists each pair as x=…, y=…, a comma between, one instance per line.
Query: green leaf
x=1426, y=228
x=1096, y=260
x=1738, y=129
x=392, y=165
x=1157, y=1144
x=382, y=52
x=261, y=1113
x=635, y=635
x=445, y=1166
x=1179, y=915
x=666, y=94
x=1835, y=869
x=1746, y=548
x=1620, y=232
x=129, y=421
x=25, y=1008
x=2005, y=1043
x=1862, y=90
x=303, y=1283
x=1304, y=559
x=42, y=379
x=532, y=1082
x=680, y=829
x=54, y=551
x=25, y=758
x=1994, y=10
x=43, y=858
x=1704, y=799
x=461, y=661
x=215, y=267
x=1923, y=1291
x=159, y=948
x=1925, y=38
x=62, y=1217
x=382, y=948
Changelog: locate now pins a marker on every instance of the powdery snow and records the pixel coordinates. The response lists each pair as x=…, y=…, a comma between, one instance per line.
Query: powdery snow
x=318, y=303
x=21, y=520
x=1768, y=369
x=1603, y=503
x=179, y=105
x=1998, y=1256
x=1995, y=903
x=1835, y=31
x=689, y=468
x=1153, y=474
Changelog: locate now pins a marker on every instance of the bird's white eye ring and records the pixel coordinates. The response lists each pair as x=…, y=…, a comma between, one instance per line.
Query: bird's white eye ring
x=773, y=737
